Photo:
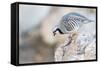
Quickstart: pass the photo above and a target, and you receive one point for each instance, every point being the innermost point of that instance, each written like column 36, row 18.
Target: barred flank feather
column 72, row 22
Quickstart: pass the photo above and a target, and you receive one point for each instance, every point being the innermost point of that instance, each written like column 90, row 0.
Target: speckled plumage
column 71, row 22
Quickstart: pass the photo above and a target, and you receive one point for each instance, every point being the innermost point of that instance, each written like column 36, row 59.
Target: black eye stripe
column 60, row 31
column 54, row 32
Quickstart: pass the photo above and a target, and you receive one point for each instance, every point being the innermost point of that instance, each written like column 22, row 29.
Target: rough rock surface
column 79, row 47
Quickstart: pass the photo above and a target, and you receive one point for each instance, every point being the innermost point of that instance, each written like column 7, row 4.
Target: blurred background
column 36, row 41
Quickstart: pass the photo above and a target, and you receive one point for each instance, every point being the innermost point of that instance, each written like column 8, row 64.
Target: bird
column 70, row 22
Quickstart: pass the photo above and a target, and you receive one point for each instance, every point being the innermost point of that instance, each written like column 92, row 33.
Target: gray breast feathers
column 72, row 22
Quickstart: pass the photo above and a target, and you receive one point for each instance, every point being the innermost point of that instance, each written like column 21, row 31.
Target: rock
column 81, row 47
